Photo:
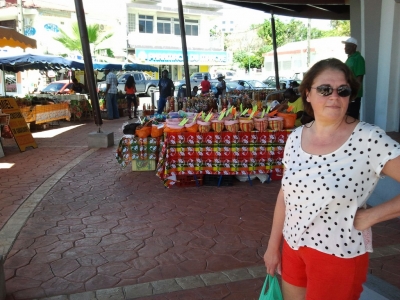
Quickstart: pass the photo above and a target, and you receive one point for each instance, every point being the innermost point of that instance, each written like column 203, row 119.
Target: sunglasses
column 326, row 90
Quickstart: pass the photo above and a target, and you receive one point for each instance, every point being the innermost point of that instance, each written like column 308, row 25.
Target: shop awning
column 110, row 66
column 313, row 9
column 18, row 63
column 11, row 38
column 140, row 67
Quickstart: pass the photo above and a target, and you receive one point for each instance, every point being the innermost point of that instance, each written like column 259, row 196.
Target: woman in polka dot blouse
column 332, row 165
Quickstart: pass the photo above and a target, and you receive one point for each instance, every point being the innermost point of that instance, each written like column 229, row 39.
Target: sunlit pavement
column 74, row 224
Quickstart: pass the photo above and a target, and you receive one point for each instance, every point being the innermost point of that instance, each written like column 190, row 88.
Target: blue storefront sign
column 51, row 27
column 176, row 56
column 29, row 31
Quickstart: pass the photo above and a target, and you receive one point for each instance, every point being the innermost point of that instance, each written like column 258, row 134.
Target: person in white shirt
column 111, row 95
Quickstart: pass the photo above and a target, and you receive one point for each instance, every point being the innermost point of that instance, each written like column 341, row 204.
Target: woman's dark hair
column 130, row 82
column 318, row 68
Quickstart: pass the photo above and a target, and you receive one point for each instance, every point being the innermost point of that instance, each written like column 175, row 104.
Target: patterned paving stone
column 96, row 230
column 64, row 266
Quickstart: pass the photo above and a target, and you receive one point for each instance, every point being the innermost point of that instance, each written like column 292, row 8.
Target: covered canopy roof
column 29, row 61
column 18, row 63
column 313, row 9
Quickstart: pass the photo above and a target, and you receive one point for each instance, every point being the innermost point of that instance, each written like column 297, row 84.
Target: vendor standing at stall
column 77, row 87
column 166, row 87
column 205, row 85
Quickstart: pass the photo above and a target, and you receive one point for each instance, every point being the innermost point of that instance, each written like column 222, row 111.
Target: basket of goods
column 192, row 126
column 261, row 124
column 157, row 129
column 261, row 121
column 143, row 131
column 217, row 125
column 205, row 123
column 232, row 125
column 230, row 121
column 275, row 123
column 204, row 126
column 246, row 124
column 289, row 119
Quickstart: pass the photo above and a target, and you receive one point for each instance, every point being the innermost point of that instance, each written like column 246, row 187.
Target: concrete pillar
column 387, row 106
column 100, row 139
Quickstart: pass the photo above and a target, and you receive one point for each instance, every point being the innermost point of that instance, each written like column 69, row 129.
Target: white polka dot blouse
column 323, row 192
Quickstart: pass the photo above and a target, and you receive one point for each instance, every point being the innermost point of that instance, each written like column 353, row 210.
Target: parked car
column 270, row 81
column 248, row 84
column 180, row 88
column 195, row 80
column 229, row 75
column 199, row 76
column 143, row 85
column 58, row 87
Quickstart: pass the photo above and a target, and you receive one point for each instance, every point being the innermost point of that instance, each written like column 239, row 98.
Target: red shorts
column 325, row 276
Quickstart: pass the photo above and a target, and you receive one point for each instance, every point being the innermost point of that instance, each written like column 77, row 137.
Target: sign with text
column 176, row 56
column 19, row 128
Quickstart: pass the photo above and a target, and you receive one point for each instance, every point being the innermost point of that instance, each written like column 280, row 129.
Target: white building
column 144, row 31
column 154, row 35
column 292, row 57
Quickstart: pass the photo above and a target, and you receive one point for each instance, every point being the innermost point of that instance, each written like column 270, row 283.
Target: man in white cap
column 356, row 63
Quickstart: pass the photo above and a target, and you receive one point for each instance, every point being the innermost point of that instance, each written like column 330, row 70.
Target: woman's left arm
column 365, row 218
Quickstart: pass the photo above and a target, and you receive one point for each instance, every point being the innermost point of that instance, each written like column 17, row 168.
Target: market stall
column 142, row 152
column 224, row 153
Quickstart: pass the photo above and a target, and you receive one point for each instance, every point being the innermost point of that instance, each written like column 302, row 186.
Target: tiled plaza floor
column 99, row 228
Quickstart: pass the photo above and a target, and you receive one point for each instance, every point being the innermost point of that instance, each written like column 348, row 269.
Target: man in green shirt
column 356, row 63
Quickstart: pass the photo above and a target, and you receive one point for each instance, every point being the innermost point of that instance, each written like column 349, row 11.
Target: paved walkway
column 76, row 226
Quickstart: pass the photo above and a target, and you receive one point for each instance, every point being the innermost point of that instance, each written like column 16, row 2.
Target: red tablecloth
column 132, row 147
column 224, row 153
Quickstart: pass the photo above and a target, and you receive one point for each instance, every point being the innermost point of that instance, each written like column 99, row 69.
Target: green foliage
column 244, row 59
column 294, row 31
column 73, row 42
column 340, row 28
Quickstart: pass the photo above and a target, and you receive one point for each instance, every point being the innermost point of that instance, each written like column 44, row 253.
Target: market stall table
column 132, row 149
column 225, row 153
column 46, row 113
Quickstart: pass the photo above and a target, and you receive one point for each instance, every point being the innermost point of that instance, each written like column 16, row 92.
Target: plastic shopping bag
column 271, row 289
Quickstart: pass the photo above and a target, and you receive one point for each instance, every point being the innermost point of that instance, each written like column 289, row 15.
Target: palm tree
column 73, row 42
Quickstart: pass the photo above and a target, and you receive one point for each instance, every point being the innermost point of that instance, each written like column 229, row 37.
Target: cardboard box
column 143, row 165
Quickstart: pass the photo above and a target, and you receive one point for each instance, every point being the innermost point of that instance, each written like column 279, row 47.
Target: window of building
column 131, row 22
column 231, row 22
column 177, row 29
column 223, row 22
column 145, row 24
column 287, row 65
column 9, row 23
column 163, row 25
column 192, row 27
